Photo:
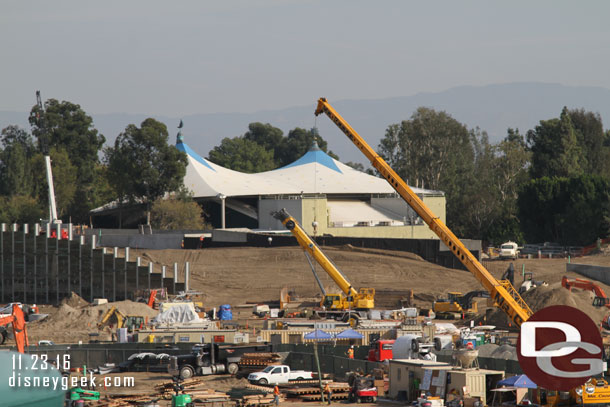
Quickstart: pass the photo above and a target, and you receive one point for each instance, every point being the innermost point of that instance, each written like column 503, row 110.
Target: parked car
column 278, row 374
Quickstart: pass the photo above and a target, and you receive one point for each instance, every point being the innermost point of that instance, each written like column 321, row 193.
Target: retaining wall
column 36, row 268
column 598, row 273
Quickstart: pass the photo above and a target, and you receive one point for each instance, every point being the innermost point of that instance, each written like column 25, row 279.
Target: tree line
column 549, row 184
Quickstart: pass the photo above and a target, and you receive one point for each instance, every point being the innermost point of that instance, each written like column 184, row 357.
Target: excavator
column 501, row 292
column 17, row 319
column 600, row 300
column 131, row 322
column 349, row 307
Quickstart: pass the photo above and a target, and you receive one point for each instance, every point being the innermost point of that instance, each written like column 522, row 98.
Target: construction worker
column 350, row 352
column 276, row 395
column 328, row 391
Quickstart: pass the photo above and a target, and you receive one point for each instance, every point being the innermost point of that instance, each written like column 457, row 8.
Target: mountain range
column 492, row 108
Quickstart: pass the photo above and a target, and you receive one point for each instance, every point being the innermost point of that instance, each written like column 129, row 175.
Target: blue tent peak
column 319, row 335
column 315, row 155
column 182, row 146
column 521, row 381
column 349, row 334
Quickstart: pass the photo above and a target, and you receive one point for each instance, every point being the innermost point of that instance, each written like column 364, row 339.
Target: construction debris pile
column 75, row 319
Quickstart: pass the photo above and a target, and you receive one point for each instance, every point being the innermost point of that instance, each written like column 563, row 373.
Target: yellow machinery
column 337, row 305
column 458, row 305
column 131, row 322
column 502, row 292
column 595, row 392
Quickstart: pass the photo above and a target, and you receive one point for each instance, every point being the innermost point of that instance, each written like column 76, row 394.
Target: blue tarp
column 318, row 335
column 521, row 381
column 225, row 313
column 349, row 334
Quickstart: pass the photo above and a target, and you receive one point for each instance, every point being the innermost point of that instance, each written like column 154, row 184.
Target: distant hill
column 493, row 108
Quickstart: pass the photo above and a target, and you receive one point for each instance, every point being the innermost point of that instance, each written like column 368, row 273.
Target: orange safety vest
column 276, row 391
column 350, row 353
column 327, row 388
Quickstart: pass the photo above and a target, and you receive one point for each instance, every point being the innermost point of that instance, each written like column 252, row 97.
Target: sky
column 195, row 56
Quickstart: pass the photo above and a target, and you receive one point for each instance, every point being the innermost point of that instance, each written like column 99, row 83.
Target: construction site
column 292, row 320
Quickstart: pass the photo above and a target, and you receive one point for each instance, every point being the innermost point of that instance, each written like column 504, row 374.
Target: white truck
column 278, row 374
column 509, row 250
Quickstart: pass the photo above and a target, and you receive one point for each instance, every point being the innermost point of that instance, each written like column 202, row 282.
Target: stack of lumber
column 340, row 391
column 192, row 387
column 119, row 401
column 207, row 396
column 253, row 396
column 259, row 360
column 166, row 389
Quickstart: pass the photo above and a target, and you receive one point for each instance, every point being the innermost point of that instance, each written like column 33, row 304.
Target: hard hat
column 352, row 346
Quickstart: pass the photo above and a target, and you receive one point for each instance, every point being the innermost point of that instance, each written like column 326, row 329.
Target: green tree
column 555, row 148
column 263, row 148
column 571, row 211
column 20, row 209
column 179, row 211
column 590, row 135
column 266, row 136
column 434, row 151
column 478, row 194
column 142, row 166
column 242, row 155
column 390, row 147
column 509, row 173
column 297, row 143
column 16, row 177
column 65, row 125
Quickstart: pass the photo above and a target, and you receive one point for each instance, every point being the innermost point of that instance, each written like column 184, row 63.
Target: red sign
column 560, row 348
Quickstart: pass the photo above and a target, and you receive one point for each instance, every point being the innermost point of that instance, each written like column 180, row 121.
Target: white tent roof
column 314, row 173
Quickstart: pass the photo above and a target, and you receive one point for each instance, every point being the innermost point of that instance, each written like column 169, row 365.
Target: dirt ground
column 247, row 275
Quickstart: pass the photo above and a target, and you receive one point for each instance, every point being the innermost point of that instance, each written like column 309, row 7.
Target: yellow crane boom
column 314, row 251
column 362, row 299
column 502, row 292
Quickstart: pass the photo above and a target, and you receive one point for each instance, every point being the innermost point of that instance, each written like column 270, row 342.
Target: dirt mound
column 70, row 323
column 74, row 300
column 553, row 294
column 499, row 352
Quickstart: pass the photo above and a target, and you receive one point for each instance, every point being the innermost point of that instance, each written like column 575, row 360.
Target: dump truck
column 211, row 358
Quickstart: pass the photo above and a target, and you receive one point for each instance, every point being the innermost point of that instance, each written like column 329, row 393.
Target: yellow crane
column 502, row 292
column 350, row 307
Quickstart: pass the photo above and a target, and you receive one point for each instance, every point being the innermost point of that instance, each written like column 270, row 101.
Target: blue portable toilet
column 225, row 313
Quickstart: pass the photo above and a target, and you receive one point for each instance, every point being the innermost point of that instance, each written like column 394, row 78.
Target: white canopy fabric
column 343, row 213
column 314, row 173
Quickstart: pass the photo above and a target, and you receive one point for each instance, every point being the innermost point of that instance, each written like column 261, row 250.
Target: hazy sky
column 193, row 56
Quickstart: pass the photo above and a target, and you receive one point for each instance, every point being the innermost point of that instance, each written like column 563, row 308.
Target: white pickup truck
column 278, row 374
